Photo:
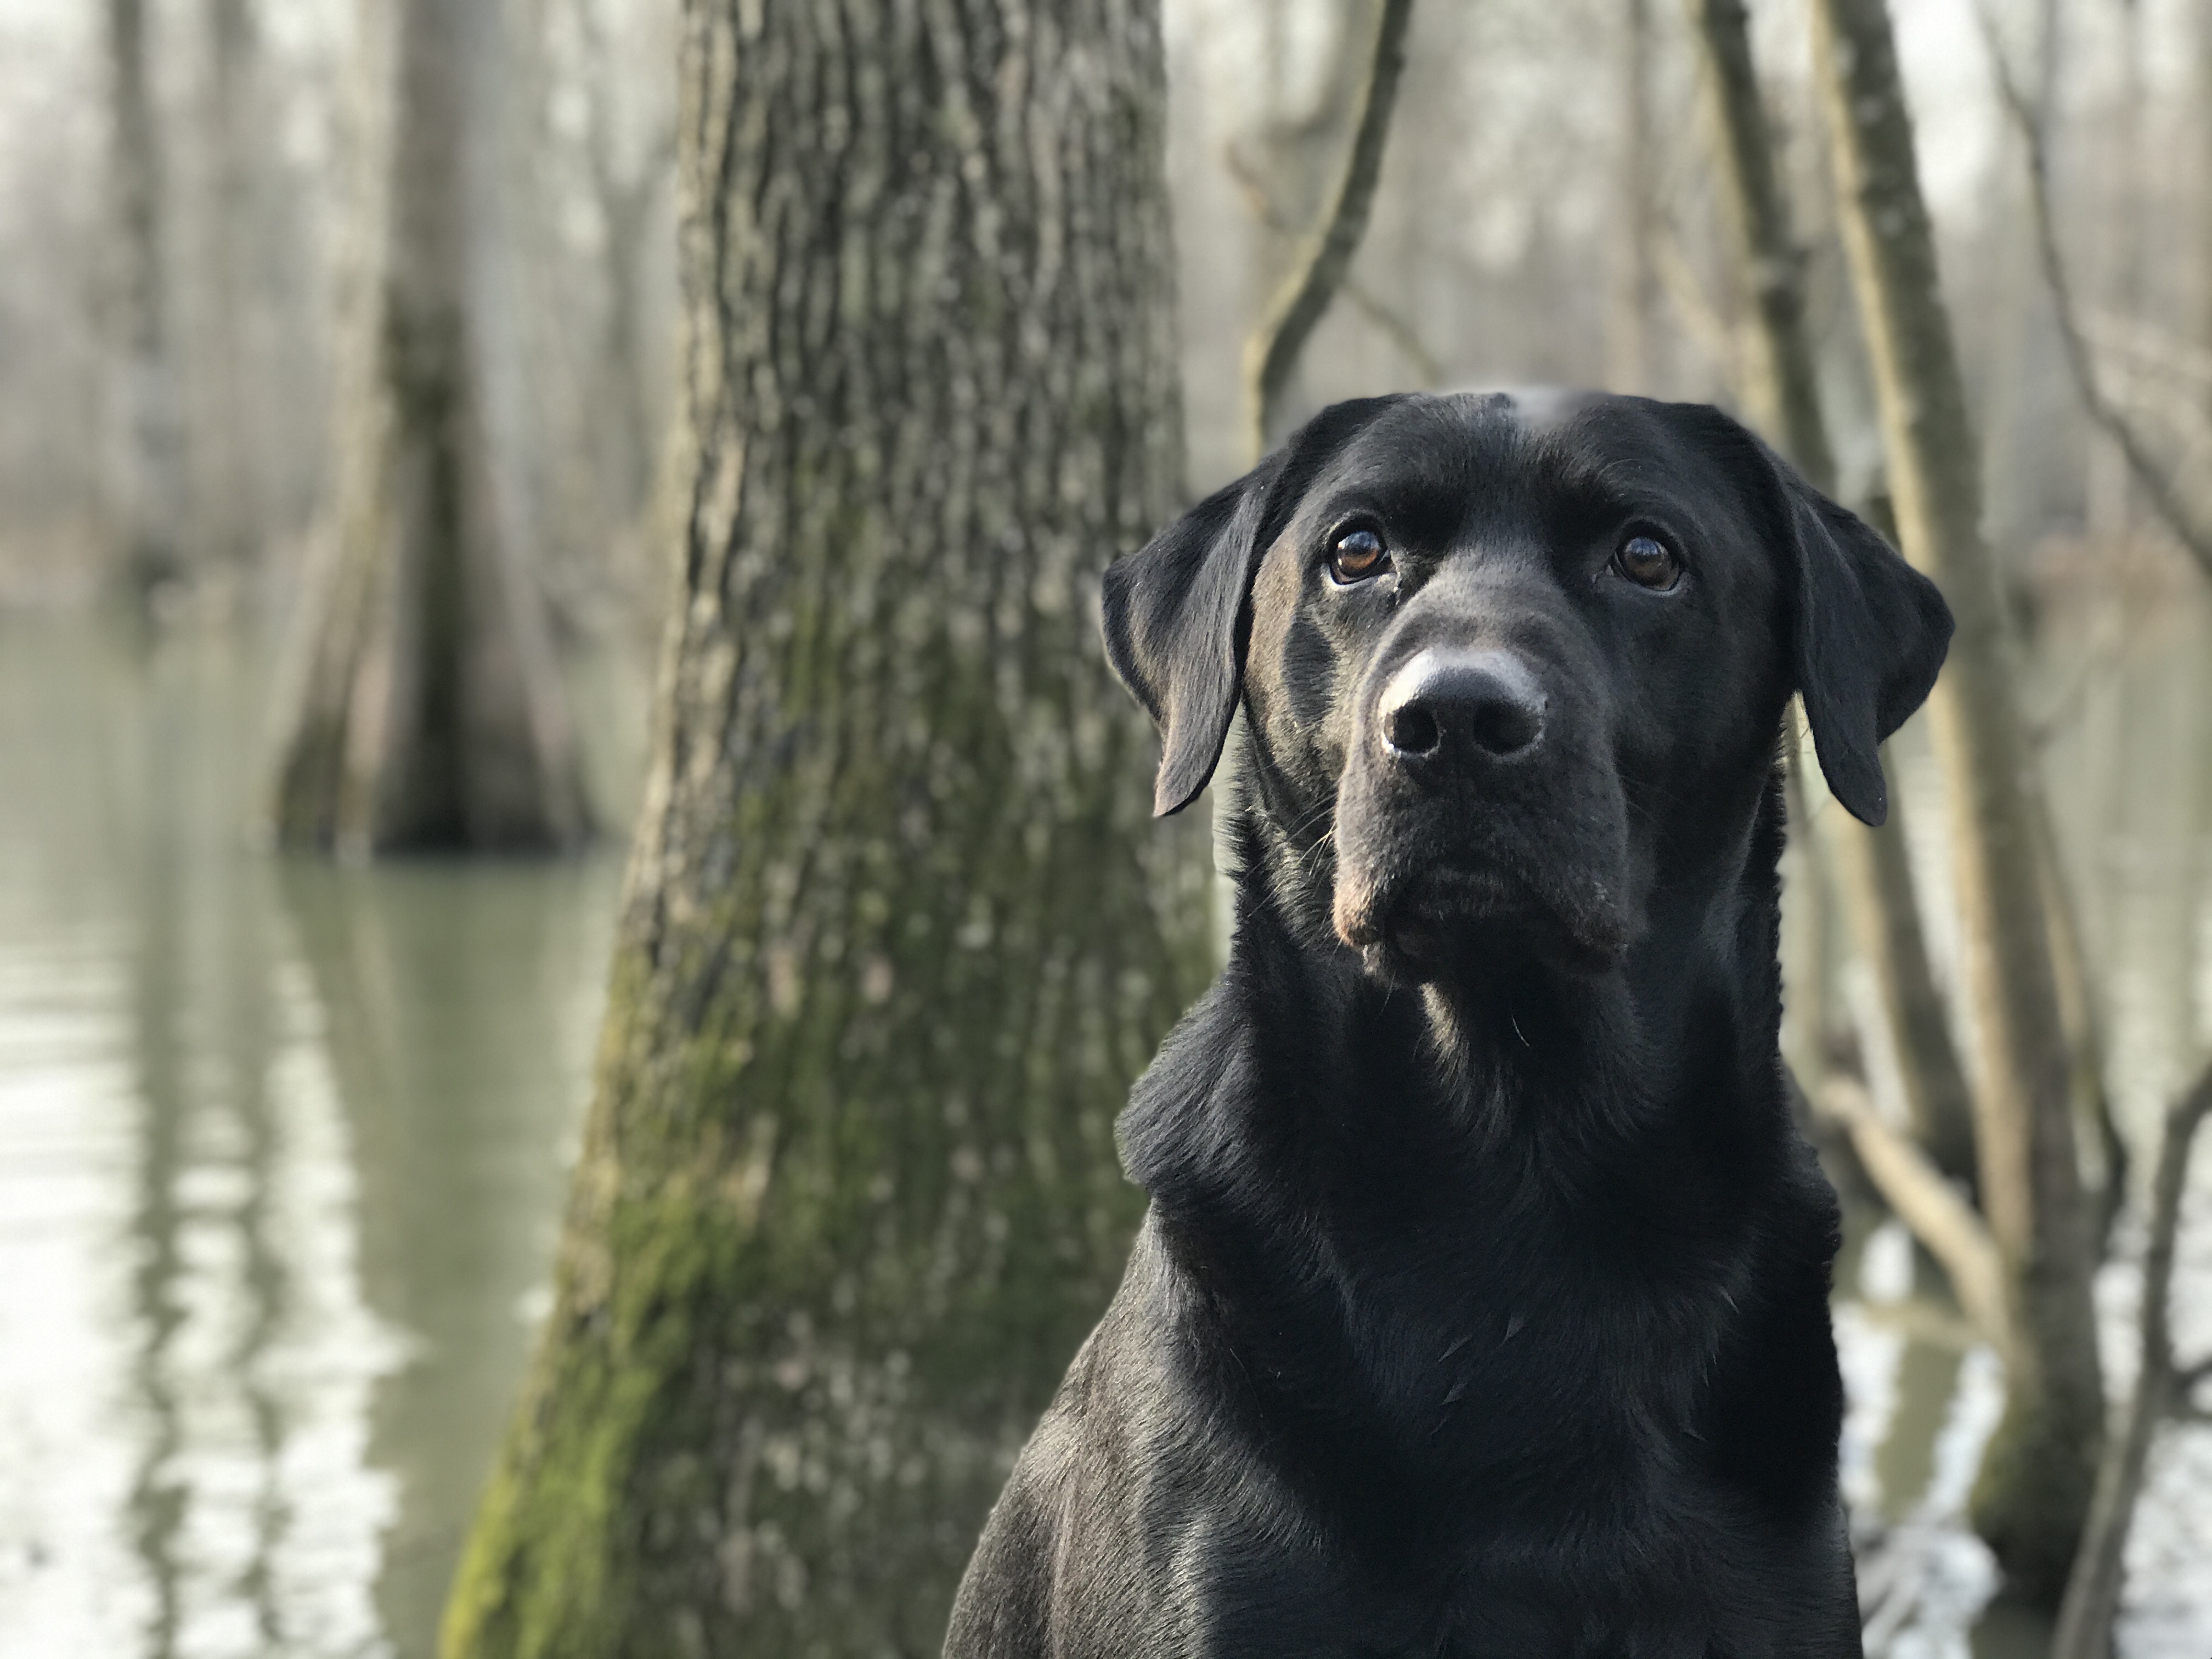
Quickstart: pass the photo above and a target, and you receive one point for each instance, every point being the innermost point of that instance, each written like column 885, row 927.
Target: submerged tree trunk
column 2036, row 1477
column 235, row 120
column 148, row 461
column 1871, row 868
column 430, row 714
column 897, row 933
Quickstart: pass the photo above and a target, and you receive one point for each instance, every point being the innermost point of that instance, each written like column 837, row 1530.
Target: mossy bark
column 2034, row 1490
column 426, row 710
column 898, row 935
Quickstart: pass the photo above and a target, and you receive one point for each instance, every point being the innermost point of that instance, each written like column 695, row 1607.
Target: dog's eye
column 1648, row 562
column 1357, row 555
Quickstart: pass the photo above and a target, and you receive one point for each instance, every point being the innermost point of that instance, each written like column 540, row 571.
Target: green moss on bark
column 898, row 932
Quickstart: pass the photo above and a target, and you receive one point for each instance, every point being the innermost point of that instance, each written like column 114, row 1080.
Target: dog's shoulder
column 1134, row 1513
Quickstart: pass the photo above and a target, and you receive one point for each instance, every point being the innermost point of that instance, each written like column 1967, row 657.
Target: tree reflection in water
column 279, row 1154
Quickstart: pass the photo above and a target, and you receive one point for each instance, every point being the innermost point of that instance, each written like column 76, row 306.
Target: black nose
column 1445, row 701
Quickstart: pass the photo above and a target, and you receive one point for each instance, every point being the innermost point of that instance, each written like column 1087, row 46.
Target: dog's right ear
column 1178, row 610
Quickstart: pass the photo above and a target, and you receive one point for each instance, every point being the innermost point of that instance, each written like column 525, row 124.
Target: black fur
column 1481, row 1308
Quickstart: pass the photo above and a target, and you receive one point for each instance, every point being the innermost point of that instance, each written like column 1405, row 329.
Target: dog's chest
column 1647, row 1578
column 1477, row 1333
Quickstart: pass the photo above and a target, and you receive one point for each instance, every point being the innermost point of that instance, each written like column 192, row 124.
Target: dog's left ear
column 1868, row 635
column 1177, row 612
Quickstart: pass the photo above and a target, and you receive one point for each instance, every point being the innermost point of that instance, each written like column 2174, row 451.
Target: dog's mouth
column 1411, row 926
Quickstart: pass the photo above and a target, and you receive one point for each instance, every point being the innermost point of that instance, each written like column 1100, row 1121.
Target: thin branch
column 1701, row 319
column 1779, row 372
column 1942, row 1220
column 2189, row 527
column 1272, row 351
column 2093, row 1589
column 1396, row 329
column 1393, row 324
column 2150, row 348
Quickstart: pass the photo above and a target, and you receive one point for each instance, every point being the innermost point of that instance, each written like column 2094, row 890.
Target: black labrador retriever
column 1481, row 1308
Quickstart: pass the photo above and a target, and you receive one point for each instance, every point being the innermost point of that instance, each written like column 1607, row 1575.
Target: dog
column 1481, row 1305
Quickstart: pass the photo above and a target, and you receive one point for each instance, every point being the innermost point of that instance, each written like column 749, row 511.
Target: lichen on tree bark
column 897, row 935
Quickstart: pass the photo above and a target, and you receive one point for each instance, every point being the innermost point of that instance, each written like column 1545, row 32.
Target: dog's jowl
column 1481, row 1307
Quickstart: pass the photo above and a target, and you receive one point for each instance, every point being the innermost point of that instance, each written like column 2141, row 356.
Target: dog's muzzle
column 1468, row 803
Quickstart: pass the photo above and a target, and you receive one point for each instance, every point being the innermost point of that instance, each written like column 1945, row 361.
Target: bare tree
column 626, row 189
column 429, row 712
column 1632, row 277
column 149, row 453
column 2033, row 1490
column 897, row 937
column 2190, row 524
column 1870, row 867
column 232, row 118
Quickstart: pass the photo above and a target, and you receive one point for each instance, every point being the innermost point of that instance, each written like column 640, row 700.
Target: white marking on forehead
column 1538, row 409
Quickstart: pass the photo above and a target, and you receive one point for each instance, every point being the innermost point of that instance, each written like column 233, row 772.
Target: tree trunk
column 235, row 122
column 626, row 196
column 1871, row 868
column 235, row 118
column 149, row 463
column 431, row 714
column 897, row 933
column 2034, row 1490
column 1781, row 388
column 1628, row 314
column 2203, row 102
column 1874, row 872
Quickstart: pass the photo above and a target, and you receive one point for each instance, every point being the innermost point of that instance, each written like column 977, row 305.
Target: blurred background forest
column 284, row 1139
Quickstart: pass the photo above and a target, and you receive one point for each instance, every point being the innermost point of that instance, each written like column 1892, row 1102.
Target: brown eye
column 1357, row 555
column 1646, row 560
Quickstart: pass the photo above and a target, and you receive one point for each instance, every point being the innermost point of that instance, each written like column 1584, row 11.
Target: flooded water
column 282, row 1154
column 281, row 1157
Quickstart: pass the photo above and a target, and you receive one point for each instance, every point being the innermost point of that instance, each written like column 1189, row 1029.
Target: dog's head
column 1514, row 662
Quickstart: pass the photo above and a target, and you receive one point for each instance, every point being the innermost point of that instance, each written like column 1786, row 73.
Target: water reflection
column 280, row 1157
column 459, row 1026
